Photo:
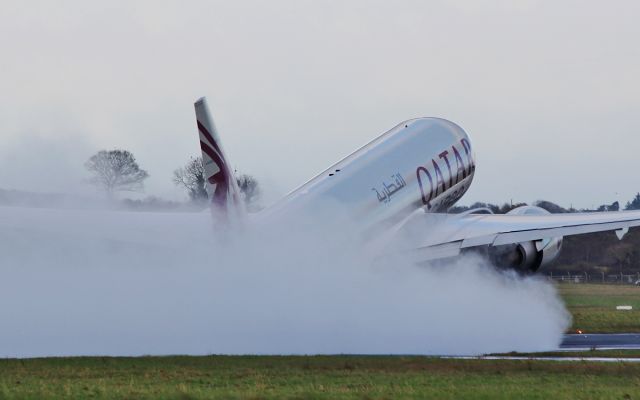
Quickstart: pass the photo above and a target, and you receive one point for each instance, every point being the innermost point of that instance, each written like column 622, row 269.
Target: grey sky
column 548, row 90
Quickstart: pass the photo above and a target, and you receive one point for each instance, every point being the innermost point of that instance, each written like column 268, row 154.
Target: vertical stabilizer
column 221, row 182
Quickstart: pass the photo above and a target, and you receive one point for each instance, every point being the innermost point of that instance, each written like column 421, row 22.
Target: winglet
column 221, row 182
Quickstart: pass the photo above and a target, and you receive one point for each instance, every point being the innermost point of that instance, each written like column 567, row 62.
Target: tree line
column 547, row 205
column 118, row 171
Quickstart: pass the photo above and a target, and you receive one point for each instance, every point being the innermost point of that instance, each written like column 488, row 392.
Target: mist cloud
column 115, row 283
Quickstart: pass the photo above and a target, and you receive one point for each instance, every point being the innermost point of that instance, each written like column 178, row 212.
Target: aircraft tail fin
column 221, row 181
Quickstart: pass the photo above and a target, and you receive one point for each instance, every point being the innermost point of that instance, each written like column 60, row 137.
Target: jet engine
column 526, row 257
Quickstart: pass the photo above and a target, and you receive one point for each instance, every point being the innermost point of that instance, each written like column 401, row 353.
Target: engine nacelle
column 526, row 257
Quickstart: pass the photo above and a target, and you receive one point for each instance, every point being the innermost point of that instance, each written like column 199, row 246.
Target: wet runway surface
column 563, row 359
column 601, row 341
column 581, row 342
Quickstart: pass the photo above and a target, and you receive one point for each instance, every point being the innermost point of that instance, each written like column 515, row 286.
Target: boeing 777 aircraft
column 405, row 180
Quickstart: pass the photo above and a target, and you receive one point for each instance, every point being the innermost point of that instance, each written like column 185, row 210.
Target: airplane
column 405, row 180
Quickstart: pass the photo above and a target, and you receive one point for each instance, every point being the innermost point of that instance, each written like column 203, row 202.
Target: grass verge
column 337, row 377
column 593, row 307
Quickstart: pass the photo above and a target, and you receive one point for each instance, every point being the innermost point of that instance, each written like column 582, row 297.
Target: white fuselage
column 424, row 163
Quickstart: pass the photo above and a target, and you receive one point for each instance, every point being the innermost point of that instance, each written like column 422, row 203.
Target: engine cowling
column 526, row 257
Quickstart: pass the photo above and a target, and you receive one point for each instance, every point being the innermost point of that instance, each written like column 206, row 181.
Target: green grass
column 339, row 377
column 593, row 307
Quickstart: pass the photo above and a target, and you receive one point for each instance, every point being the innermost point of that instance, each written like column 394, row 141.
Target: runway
column 544, row 358
column 601, row 341
column 579, row 342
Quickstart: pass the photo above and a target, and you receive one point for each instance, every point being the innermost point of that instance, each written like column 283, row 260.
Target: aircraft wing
column 432, row 236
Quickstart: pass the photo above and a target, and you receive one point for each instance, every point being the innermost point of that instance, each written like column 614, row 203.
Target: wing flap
column 444, row 250
column 479, row 241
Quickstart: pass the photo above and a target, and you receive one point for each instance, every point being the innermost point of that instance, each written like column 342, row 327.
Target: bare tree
column 250, row 189
column 116, row 170
column 192, row 178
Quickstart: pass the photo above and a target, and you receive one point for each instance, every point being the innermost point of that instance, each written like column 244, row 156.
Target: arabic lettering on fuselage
column 431, row 180
column 388, row 190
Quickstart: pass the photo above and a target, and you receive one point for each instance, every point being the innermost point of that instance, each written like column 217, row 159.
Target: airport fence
column 621, row 279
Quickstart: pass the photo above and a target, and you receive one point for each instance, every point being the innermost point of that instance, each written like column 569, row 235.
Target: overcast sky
column 548, row 90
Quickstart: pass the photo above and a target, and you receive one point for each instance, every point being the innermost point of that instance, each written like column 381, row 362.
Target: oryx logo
column 220, row 180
